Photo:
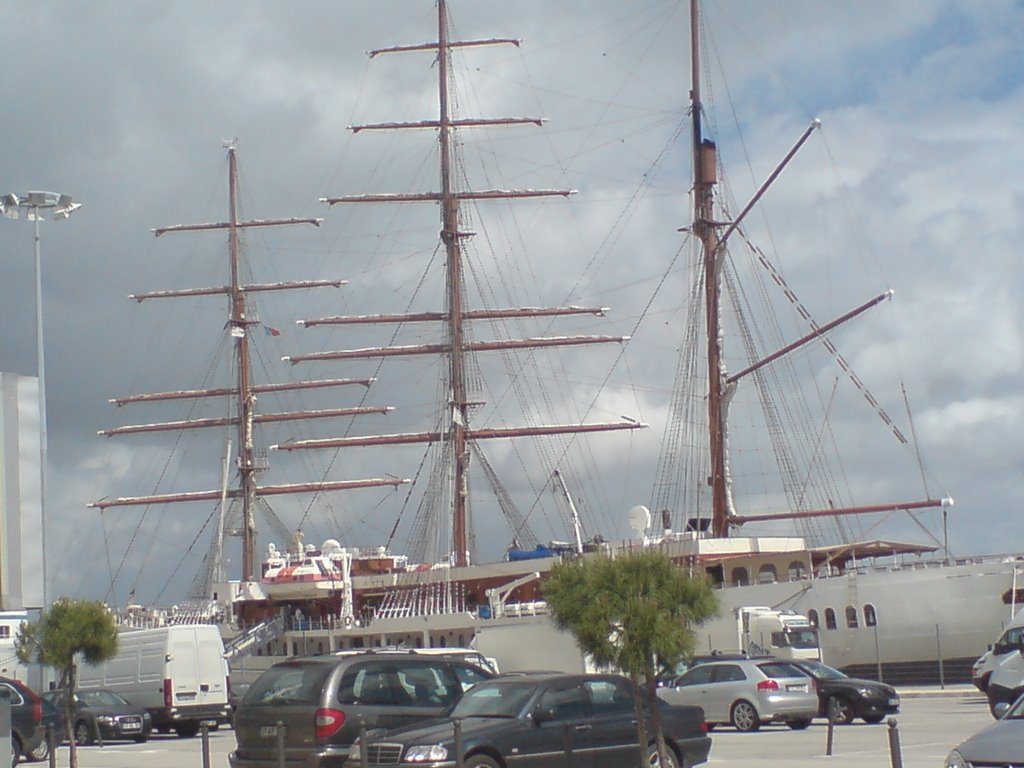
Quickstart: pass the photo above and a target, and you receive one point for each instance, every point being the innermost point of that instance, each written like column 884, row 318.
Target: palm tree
column 634, row 612
column 68, row 629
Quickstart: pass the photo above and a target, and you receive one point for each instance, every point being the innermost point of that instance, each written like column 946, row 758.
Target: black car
column 320, row 701
column 28, row 728
column 549, row 720
column 845, row 698
column 102, row 715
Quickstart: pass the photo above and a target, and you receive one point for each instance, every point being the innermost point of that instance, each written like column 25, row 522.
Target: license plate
column 800, row 688
column 894, row 702
column 268, row 731
column 131, row 727
column 209, row 723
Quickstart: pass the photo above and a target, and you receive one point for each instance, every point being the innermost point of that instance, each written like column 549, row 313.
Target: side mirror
column 1000, row 709
column 543, row 714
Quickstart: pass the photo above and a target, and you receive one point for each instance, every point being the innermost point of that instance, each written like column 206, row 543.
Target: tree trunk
column 641, row 719
column 69, row 713
column 659, row 733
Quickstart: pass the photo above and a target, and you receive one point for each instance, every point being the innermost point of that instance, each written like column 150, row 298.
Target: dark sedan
column 549, row 720
column 100, row 714
column 842, row 698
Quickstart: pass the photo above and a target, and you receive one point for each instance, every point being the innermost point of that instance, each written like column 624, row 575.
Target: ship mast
column 704, row 179
column 459, row 431
column 720, row 384
column 239, row 325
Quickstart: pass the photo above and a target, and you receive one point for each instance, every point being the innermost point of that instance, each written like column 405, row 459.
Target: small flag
column 271, row 331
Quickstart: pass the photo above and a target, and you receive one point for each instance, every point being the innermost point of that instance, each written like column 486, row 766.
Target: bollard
column 567, row 745
column 457, row 727
column 99, row 733
column 280, row 744
column 895, row 754
column 828, row 738
column 364, row 757
column 204, row 731
column 51, row 741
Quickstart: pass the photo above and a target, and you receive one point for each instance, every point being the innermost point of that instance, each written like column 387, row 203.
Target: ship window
column 851, row 617
column 796, row 570
column 767, row 574
column 830, row 619
column 870, row 618
column 739, row 577
column 812, row 616
column 5, row 631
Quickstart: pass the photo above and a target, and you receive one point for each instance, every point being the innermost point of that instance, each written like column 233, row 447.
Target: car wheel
column 745, row 717
column 481, row 761
column 83, row 734
column 798, row 725
column 873, row 719
column 39, row 753
column 672, row 760
column 840, row 711
column 187, row 729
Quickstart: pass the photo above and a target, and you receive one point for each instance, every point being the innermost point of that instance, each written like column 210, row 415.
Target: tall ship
column 882, row 607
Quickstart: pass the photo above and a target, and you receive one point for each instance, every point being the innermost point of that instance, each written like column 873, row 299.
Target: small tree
column 633, row 612
column 70, row 627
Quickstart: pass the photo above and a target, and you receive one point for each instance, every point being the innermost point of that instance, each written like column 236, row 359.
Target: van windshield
column 289, row 684
column 1008, row 641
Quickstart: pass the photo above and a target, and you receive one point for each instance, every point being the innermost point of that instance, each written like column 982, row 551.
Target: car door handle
column 583, row 727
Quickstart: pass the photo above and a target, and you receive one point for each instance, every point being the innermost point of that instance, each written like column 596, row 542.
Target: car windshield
column 824, row 671
column 505, row 699
column 289, row 684
column 100, row 699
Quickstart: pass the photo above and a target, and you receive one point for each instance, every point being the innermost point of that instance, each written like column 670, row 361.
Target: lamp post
column 36, row 205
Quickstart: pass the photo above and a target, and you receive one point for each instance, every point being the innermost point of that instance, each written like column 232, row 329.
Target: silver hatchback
column 746, row 693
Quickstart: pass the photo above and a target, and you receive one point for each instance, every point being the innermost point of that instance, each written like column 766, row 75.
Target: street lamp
column 36, row 205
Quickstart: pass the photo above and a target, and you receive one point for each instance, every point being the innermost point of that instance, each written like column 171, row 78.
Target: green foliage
column 68, row 628
column 630, row 610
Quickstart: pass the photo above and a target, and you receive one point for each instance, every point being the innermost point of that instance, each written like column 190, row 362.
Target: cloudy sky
column 913, row 183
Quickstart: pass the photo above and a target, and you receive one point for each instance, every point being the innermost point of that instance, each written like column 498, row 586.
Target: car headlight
column 955, row 760
column 426, row 753
column 105, row 719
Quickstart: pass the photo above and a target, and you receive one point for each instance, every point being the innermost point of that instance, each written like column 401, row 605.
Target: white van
column 1008, row 642
column 178, row 673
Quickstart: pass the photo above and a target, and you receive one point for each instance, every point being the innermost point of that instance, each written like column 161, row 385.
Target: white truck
column 762, row 631
column 178, row 673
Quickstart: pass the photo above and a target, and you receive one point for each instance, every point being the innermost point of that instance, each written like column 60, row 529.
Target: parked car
column 53, row 720
column 526, row 720
column 1000, row 744
column 100, row 714
column 28, row 729
column 842, row 698
column 320, row 699
column 747, row 692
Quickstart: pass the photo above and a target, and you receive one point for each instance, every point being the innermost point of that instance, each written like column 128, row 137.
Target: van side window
column 429, row 685
column 373, row 684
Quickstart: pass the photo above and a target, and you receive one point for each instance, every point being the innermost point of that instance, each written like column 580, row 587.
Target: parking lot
column 929, row 726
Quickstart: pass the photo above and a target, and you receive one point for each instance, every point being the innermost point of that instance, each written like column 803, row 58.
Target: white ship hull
column 924, row 612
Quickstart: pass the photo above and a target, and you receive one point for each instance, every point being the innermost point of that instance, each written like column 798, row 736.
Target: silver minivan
column 746, row 693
